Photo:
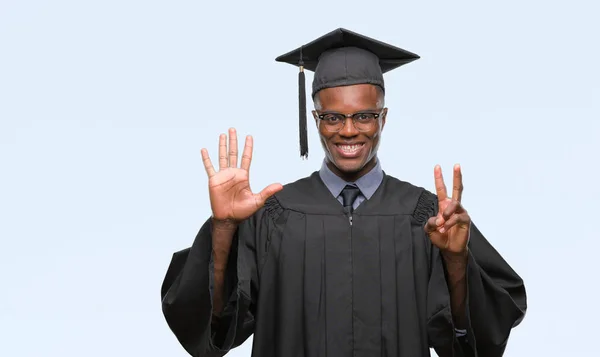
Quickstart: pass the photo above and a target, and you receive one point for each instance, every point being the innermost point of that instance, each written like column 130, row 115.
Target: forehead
column 349, row 98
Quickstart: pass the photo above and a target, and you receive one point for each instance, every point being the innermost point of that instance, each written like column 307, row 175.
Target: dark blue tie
column 349, row 195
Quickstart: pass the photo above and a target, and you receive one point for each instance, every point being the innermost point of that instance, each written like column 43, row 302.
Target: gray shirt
column 367, row 184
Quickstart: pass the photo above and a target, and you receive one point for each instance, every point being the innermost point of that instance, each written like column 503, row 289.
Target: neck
column 353, row 175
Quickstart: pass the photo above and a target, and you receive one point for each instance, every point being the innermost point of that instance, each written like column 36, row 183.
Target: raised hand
column 449, row 230
column 231, row 198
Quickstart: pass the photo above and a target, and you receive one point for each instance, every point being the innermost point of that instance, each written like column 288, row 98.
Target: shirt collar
column 367, row 184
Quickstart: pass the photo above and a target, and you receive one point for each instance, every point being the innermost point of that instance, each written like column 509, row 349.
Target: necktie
column 349, row 195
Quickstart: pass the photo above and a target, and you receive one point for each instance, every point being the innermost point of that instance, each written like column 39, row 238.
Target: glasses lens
column 364, row 121
column 334, row 122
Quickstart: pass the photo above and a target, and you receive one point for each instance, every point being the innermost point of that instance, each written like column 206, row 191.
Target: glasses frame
column 352, row 116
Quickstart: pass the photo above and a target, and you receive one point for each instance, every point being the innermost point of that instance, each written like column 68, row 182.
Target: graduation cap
column 342, row 58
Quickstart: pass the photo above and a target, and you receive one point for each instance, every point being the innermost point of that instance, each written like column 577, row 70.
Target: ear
column 383, row 117
column 316, row 117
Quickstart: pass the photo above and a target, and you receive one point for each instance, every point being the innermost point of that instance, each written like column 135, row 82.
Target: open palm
column 231, row 197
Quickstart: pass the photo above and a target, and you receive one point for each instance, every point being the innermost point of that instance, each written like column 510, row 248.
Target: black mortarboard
column 342, row 58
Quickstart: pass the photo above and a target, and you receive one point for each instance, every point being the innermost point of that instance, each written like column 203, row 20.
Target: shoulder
column 408, row 189
column 416, row 200
column 307, row 195
column 300, row 186
column 291, row 194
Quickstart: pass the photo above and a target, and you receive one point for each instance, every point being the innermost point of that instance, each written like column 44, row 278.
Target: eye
column 332, row 118
column 365, row 116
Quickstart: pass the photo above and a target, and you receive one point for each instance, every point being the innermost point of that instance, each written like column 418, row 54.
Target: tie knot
column 349, row 195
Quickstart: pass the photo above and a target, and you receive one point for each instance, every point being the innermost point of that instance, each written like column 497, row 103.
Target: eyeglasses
column 363, row 121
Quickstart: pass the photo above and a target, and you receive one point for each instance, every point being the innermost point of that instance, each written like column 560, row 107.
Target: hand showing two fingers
column 449, row 229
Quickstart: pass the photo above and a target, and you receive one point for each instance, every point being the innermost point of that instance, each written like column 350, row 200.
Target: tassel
column 302, row 112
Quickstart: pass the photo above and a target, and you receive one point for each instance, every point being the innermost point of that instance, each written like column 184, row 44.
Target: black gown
column 307, row 283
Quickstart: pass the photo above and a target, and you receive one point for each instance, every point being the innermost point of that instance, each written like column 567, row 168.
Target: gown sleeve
column 187, row 291
column 496, row 297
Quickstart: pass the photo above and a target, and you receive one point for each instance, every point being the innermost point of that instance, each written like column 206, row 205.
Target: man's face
column 351, row 149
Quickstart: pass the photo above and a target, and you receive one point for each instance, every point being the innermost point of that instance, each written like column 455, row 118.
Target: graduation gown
column 307, row 283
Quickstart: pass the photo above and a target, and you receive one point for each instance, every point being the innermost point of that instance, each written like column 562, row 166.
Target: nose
column 348, row 130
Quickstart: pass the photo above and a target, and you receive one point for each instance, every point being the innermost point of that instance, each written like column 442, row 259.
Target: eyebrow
column 360, row 111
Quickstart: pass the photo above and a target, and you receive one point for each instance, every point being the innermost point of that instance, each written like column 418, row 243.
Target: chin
column 349, row 166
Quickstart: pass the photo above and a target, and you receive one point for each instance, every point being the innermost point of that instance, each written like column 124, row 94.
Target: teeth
column 350, row 148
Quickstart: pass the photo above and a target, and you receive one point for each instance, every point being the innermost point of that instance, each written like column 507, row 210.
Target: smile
column 350, row 149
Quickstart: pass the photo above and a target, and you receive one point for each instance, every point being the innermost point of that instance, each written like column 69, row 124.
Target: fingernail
column 442, row 229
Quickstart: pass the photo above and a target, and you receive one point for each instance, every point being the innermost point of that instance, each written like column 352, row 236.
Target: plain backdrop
column 105, row 105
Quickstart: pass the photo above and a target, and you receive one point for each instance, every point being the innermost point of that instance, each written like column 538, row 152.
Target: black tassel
column 302, row 113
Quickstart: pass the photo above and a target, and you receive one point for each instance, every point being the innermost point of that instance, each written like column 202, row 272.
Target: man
column 348, row 261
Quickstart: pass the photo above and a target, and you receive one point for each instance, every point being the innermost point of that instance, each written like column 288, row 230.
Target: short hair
column 380, row 99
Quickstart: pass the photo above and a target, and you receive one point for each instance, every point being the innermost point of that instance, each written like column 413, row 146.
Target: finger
column 461, row 220
column 223, row 163
column 431, row 225
column 210, row 170
column 233, row 148
column 457, row 184
column 247, row 154
column 440, row 187
column 452, row 208
column 267, row 192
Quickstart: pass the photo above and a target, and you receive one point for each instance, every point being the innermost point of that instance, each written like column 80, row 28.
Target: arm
column 209, row 291
column 481, row 295
column 471, row 287
column 199, row 279
column 487, row 300
column 456, row 272
column 222, row 237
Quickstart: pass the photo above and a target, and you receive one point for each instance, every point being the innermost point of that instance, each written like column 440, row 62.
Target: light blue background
column 105, row 105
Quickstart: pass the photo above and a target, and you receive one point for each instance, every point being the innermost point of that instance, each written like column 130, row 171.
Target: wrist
column 224, row 225
column 456, row 257
column 456, row 263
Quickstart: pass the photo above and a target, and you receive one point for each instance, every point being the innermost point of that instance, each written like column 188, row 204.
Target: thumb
column 431, row 229
column 431, row 225
column 267, row 192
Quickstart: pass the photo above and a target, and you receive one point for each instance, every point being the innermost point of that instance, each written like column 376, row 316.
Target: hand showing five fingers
column 449, row 230
column 231, row 198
